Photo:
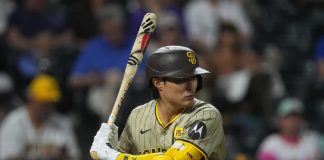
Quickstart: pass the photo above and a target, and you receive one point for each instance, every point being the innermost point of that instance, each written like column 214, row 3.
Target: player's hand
column 112, row 134
column 113, row 137
column 104, row 140
column 108, row 133
column 103, row 150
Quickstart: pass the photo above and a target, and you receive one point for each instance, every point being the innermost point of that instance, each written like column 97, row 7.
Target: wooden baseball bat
column 147, row 27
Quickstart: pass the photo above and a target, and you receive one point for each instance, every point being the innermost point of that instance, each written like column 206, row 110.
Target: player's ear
column 157, row 83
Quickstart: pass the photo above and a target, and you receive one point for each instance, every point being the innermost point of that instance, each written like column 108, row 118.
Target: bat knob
column 94, row 155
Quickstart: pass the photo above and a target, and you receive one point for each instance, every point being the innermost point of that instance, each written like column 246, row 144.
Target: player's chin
column 189, row 97
column 189, row 100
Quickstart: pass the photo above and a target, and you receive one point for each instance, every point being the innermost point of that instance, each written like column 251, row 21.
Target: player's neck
column 167, row 112
column 36, row 122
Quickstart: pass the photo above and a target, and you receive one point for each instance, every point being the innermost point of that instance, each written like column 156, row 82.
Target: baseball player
column 174, row 125
column 36, row 130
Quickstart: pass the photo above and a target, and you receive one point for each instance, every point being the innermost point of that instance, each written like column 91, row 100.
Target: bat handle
column 111, row 119
column 94, row 155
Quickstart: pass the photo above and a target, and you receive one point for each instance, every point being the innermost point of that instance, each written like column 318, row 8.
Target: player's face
column 179, row 92
column 41, row 110
column 291, row 124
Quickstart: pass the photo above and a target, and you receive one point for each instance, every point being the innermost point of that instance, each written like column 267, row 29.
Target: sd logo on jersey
column 197, row 130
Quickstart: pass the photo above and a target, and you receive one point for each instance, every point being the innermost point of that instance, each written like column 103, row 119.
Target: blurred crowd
column 61, row 63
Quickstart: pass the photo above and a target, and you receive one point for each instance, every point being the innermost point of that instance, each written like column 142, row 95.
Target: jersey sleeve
column 205, row 130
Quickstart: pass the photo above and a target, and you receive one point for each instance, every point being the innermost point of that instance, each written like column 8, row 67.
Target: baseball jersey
column 277, row 147
column 200, row 125
column 19, row 137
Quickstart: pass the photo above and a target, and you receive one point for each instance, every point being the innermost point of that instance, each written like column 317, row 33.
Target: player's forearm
column 180, row 150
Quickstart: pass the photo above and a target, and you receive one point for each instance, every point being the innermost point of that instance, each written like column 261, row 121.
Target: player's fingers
column 114, row 128
column 103, row 128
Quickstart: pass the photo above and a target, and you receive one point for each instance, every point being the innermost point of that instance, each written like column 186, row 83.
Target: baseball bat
column 147, row 27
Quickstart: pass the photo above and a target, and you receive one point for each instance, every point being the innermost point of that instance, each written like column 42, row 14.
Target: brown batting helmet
column 173, row 62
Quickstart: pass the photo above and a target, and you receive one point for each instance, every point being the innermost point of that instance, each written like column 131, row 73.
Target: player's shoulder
column 202, row 107
column 273, row 140
column 17, row 115
column 310, row 136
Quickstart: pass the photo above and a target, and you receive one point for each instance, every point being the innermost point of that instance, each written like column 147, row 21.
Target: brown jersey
column 200, row 125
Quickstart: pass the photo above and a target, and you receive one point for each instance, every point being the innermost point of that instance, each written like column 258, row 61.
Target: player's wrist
column 113, row 155
column 105, row 153
column 105, row 142
column 120, row 156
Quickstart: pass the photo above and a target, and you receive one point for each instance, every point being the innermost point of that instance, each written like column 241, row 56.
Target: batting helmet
column 173, row 62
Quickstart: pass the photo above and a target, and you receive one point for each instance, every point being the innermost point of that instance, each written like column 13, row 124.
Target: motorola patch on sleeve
column 197, row 130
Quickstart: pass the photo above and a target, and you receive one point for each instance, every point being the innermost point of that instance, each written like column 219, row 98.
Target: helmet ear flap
column 199, row 83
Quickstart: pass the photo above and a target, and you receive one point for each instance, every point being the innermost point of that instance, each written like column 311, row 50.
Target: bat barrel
column 147, row 27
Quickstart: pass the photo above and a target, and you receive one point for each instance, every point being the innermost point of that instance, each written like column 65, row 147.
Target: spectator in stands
column 204, row 17
column 86, row 27
column 315, row 89
column 163, row 8
column 225, row 63
column 36, row 131
column 168, row 32
column 6, row 6
column 242, row 88
column 34, row 20
column 319, row 58
column 34, row 27
column 8, row 100
column 101, row 63
column 293, row 140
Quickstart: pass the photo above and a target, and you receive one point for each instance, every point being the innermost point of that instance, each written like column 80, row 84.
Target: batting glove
column 105, row 141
